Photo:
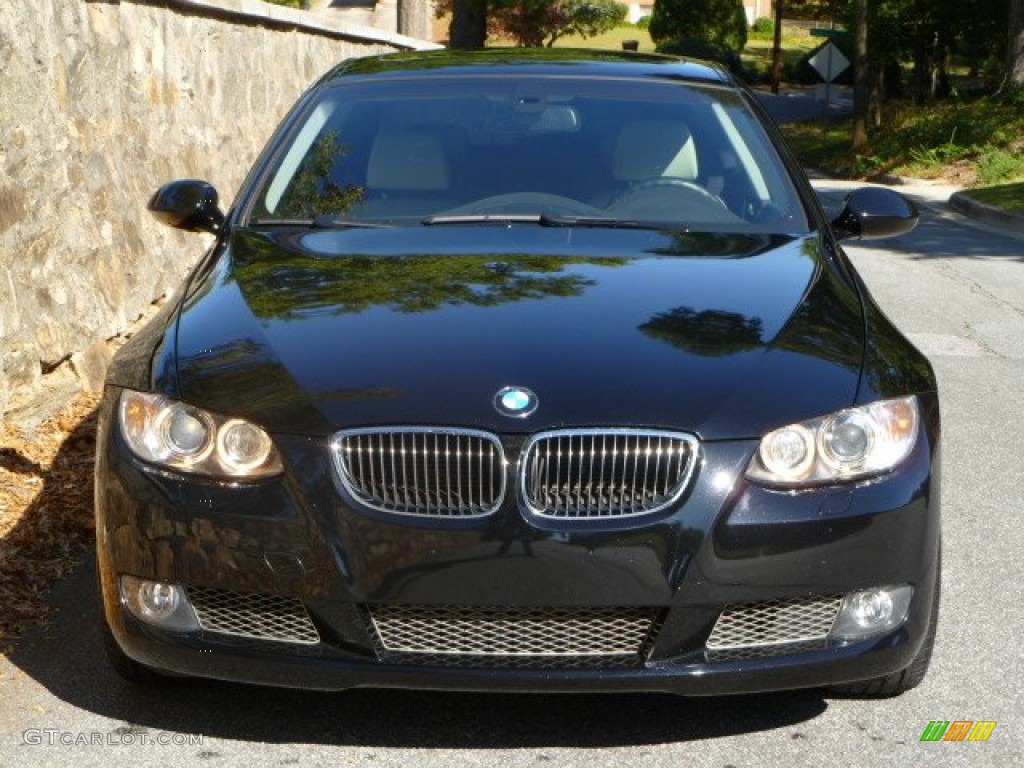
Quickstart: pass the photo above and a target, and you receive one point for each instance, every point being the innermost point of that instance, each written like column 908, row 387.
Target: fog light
column 872, row 611
column 154, row 602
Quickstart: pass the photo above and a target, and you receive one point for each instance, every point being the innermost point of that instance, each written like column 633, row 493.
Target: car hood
column 725, row 335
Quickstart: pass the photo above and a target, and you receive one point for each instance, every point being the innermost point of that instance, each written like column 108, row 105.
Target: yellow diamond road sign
column 829, row 62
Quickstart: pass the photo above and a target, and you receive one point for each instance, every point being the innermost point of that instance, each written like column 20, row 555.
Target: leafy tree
column 831, row 10
column 710, row 332
column 533, row 23
column 294, row 285
column 313, row 192
column 718, row 21
column 928, row 33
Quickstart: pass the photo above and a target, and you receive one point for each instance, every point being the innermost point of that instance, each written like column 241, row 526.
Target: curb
column 891, row 180
column 963, row 203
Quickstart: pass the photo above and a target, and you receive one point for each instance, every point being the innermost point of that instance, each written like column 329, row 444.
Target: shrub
column 722, row 22
column 764, row 27
column 697, row 48
column 998, row 165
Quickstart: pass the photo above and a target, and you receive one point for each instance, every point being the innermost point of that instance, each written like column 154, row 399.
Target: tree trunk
column 1015, row 48
column 861, row 82
column 780, row 7
column 923, row 37
column 468, row 28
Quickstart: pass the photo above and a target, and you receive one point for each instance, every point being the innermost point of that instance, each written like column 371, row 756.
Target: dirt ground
column 46, row 509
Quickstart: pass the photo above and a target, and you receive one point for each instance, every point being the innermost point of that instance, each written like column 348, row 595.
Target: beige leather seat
column 652, row 149
column 407, row 174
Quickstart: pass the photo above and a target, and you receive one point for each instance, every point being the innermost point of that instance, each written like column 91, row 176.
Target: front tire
column 125, row 666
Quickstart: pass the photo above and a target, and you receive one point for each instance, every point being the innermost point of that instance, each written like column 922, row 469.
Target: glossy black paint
column 871, row 213
column 726, row 542
column 725, row 336
column 321, row 340
column 188, row 204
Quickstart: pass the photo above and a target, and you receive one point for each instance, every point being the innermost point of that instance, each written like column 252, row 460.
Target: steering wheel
column 671, row 182
column 671, row 199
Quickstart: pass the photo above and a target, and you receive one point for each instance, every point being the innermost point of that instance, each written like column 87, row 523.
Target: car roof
column 519, row 61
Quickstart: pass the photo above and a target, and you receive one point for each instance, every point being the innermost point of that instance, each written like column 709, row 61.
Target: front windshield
column 555, row 150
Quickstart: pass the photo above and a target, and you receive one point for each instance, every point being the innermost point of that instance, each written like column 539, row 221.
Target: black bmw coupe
column 523, row 370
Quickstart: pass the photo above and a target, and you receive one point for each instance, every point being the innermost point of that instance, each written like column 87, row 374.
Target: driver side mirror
column 875, row 212
column 188, row 204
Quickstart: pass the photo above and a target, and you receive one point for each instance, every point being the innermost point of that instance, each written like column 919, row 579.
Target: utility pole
column 777, row 46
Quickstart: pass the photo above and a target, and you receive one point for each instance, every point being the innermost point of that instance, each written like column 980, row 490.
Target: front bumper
column 324, row 670
column 726, row 543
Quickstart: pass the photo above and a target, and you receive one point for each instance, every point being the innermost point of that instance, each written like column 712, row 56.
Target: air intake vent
column 772, row 623
column 421, row 470
column 582, row 474
column 515, row 637
column 263, row 617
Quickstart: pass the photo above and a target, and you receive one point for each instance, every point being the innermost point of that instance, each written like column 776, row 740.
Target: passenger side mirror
column 875, row 212
column 188, row 204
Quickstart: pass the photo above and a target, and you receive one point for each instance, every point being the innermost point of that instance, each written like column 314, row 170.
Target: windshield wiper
column 323, row 221
column 602, row 222
column 482, row 218
column 547, row 220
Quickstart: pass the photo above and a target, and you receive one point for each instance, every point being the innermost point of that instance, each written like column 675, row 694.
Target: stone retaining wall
column 100, row 103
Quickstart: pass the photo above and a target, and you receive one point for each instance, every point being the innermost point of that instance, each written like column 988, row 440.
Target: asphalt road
column 808, row 103
column 958, row 291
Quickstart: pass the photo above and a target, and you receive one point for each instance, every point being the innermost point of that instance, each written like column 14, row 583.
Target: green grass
column 828, row 149
column 611, row 40
column 972, row 142
column 757, row 55
column 1009, row 197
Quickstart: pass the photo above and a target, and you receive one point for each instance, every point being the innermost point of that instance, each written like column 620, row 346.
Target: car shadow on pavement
column 67, row 658
column 941, row 234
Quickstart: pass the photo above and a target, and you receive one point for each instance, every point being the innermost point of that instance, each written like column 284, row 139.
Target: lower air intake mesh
column 263, row 617
column 519, row 637
column 774, row 622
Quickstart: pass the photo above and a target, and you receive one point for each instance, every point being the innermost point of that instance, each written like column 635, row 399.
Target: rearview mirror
column 188, row 204
column 875, row 212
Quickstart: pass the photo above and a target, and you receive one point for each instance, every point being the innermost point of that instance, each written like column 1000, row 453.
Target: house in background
column 755, row 9
column 638, row 9
column 414, row 18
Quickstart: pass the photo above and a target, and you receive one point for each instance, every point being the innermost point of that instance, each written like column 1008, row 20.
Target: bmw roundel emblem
column 518, row 402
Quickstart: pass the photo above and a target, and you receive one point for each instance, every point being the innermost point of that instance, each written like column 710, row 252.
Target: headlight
column 847, row 445
column 178, row 436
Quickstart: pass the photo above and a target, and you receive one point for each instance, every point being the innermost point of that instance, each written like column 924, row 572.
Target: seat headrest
column 407, row 161
column 651, row 149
